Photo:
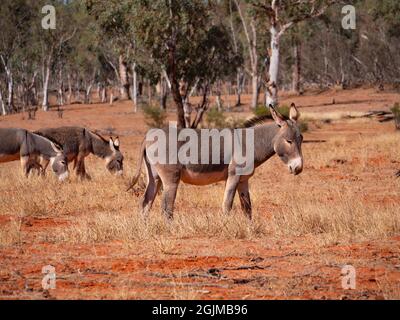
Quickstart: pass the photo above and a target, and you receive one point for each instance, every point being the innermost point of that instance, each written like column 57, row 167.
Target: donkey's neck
column 40, row 145
column 264, row 138
column 100, row 147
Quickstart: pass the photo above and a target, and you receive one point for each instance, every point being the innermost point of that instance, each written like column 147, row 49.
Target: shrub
column 262, row 110
column 284, row 110
column 396, row 112
column 154, row 116
column 215, row 118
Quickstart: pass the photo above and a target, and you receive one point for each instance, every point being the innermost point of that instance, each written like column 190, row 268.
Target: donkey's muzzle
column 295, row 166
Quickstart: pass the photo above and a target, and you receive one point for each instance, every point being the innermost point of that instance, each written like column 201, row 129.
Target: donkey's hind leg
column 168, row 199
column 151, row 191
column 81, row 169
column 244, row 196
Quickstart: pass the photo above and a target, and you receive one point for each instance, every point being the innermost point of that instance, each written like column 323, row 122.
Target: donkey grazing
column 79, row 142
column 282, row 137
column 20, row 144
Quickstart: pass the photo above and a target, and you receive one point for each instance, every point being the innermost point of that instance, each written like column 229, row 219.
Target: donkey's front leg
column 229, row 195
column 244, row 196
column 25, row 165
column 44, row 164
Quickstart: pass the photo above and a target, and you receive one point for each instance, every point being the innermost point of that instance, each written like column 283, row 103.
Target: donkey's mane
column 259, row 120
column 48, row 138
column 99, row 136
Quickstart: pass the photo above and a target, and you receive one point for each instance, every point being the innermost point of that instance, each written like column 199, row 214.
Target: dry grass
column 10, row 233
column 101, row 210
column 104, row 227
column 349, row 220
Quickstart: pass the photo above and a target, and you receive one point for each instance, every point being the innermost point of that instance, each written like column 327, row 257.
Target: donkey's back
column 72, row 139
column 11, row 141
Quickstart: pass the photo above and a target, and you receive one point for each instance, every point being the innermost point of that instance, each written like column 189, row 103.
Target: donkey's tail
column 136, row 177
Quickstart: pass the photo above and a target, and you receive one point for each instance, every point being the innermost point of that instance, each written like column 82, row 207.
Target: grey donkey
column 281, row 137
column 20, row 144
column 78, row 143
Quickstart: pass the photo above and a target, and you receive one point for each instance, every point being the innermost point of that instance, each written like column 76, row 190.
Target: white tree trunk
column 134, row 88
column 123, row 73
column 255, row 90
column 272, row 90
column 61, row 88
column 88, row 93
column 10, row 101
column 104, row 93
column 45, row 102
column 2, row 105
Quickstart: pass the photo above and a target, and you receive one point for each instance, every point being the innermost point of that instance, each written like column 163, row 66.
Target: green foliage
column 303, row 126
column 215, row 118
column 284, row 110
column 262, row 111
column 396, row 112
column 396, row 109
column 155, row 117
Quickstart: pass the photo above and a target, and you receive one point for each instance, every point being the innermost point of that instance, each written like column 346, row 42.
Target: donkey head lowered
column 287, row 143
column 115, row 162
column 59, row 163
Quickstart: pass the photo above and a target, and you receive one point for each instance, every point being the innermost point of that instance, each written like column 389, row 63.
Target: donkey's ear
column 294, row 114
column 278, row 118
column 117, row 142
column 112, row 145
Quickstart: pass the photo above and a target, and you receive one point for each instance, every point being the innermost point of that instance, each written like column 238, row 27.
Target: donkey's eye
column 289, row 141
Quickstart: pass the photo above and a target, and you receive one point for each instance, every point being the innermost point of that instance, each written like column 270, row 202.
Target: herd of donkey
column 61, row 146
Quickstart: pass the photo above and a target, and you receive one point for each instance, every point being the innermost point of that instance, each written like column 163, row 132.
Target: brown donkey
column 282, row 137
column 20, row 144
column 79, row 142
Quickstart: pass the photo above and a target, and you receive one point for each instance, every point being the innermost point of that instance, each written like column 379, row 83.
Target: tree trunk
column 272, row 90
column 239, row 87
column 326, row 62
column 218, row 93
column 45, row 102
column 88, row 92
column 60, row 88
column 134, row 88
column 104, row 93
column 255, row 90
column 69, row 89
column 2, row 105
column 123, row 74
column 296, row 78
column 10, row 100
column 164, row 93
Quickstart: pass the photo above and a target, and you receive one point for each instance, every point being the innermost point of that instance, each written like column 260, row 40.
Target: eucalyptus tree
column 282, row 16
column 190, row 47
